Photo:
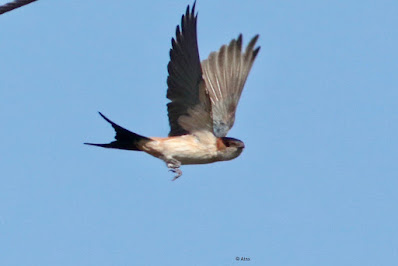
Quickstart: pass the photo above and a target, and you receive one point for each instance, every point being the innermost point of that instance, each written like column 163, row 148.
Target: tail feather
column 125, row 139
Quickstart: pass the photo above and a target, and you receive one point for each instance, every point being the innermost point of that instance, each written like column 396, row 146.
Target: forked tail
column 125, row 139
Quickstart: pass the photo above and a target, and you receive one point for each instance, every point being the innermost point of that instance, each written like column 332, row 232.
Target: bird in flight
column 203, row 100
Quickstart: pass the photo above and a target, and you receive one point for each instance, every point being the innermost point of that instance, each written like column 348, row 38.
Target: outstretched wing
column 14, row 4
column 225, row 73
column 189, row 109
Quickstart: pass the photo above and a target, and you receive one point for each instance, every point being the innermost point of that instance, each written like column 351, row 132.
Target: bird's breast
column 187, row 149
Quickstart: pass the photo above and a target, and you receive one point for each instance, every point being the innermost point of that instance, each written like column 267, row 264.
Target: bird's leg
column 174, row 165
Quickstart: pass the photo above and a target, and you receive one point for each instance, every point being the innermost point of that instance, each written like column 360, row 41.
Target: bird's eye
column 227, row 143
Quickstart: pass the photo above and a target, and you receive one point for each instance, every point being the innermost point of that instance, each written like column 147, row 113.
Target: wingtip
column 190, row 11
column 254, row 39
column 193, row 7
column 252, row 43
column 239, row 41
column 187, row 11
column 255, row 52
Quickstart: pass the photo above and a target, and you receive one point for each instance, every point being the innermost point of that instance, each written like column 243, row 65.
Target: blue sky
column 316, row 184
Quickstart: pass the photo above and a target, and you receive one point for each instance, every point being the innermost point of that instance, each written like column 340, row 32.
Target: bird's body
column 187, row 149
column 201, row 148
column 204, row 96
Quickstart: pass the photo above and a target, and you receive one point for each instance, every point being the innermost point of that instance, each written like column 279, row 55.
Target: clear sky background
column 316, row 185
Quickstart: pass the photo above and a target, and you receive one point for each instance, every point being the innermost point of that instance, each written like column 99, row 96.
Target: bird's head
column 230, row 148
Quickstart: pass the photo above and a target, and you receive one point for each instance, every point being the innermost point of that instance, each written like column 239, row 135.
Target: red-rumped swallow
column 204, row 96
